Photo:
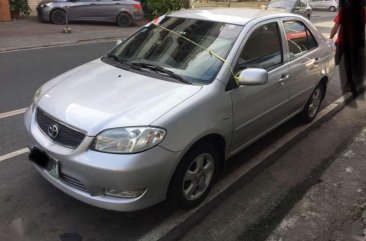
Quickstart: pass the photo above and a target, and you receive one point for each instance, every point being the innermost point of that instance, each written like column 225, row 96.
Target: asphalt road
column 45, row 212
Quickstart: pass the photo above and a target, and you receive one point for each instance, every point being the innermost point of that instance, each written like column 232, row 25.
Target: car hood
column 98, row 96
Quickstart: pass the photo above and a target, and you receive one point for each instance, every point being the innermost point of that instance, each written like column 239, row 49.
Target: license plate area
column 45, row 161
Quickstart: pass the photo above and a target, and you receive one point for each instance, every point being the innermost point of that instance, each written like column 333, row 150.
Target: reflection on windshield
column 157, row 46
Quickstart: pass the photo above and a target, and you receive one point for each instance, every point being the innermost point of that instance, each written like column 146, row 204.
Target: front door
column 256, row 109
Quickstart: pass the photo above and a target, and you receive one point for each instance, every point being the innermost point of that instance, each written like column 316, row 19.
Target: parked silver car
column 160, row 114
column 300, row 7
column 122, row 12
column 331, row 5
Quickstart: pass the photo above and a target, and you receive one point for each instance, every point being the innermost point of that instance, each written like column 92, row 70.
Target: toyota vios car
column 122, row 12
column 158, row 116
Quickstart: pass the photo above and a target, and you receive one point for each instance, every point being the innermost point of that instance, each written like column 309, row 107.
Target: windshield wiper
column 122, row 62
column 160, row 69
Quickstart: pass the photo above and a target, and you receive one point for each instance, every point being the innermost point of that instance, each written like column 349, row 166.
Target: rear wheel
column 124, row 20
column 58, row 16
column 313, row 105
column 332, row 9
column 194, row 176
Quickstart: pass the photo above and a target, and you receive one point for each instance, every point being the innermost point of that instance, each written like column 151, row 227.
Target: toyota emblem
column 53, row 130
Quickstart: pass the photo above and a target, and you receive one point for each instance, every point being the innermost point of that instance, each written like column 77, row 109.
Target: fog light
column 124, row 194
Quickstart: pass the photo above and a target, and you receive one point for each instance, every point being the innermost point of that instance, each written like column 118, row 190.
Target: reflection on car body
column 160, row 114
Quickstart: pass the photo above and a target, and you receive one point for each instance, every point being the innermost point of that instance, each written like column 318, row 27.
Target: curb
column 174, row 226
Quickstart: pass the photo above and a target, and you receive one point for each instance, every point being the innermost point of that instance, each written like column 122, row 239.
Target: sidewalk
column 29, row 32
column 334, row 209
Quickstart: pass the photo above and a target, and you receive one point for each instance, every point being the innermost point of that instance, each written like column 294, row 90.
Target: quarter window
column 299, row 38
column 262, row 49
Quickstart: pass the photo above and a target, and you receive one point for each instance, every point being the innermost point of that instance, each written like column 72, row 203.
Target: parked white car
column 331, row 5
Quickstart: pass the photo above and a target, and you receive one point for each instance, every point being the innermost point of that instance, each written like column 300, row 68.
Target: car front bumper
column 86, row 174
column 43, row 13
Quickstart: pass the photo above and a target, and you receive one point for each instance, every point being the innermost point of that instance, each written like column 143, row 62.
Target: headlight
column 128, row 140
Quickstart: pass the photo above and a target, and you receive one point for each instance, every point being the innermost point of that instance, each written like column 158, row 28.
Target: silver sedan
column 160, row 114
column 122, row 12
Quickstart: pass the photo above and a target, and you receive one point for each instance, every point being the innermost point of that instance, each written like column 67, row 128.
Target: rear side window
column 299, row 38
column 262, row 49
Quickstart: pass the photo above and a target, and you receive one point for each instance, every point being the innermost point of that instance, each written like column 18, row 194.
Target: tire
column 332, row 9
column 58, row 16
column 124, row 20
column 313, row 105
column 193, row 178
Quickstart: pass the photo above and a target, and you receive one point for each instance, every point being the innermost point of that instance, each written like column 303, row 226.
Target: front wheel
column 58, row 16
column 194, row 176
column 124, row 20
column 332, row 9
column 313, row 105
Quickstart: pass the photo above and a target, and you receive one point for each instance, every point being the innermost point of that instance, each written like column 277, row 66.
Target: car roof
column 238, row 16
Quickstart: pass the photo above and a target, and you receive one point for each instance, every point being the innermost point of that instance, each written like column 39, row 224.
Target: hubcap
column 198, row 176
column 314, row 102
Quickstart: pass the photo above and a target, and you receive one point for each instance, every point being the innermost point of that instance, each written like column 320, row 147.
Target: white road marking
column 13, row 154
column 12, row 113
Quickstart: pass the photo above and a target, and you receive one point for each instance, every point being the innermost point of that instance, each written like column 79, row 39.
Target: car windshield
column 286, row 4
column 181, row 46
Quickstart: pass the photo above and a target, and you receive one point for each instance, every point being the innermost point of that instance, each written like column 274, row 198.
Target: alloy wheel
column 198, row 176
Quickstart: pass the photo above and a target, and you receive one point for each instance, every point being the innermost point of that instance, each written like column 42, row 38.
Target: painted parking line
column 166, row 229
column 12, row 113
column 13, row 154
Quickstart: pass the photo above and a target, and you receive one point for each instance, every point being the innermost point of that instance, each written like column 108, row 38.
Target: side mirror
column 253, row 76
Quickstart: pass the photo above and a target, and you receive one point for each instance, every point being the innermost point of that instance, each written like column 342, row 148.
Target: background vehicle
column 331, row 5
column 300, row 7
column 161, row 113
column 122, row 12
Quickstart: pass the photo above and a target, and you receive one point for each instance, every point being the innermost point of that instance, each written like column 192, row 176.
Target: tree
column 155, row 8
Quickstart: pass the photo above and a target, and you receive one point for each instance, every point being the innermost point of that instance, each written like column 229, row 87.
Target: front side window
column 156, row 45
column 262, row 49
column 299, row 38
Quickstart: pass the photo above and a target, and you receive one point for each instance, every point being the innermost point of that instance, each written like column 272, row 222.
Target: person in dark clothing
column 350, row 25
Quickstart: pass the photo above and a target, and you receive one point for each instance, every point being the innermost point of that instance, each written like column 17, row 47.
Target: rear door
column 84, row 10
column 305, row 57
column 256, row 109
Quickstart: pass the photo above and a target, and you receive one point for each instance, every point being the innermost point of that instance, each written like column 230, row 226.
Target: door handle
column 93, row 4
column 283, row 78
column 316, row 60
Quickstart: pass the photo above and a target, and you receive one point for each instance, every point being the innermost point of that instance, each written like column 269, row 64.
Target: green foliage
column 155, row 8
column 19, row 6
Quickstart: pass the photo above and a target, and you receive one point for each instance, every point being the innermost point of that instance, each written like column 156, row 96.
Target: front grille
column 73, row 182
column 66, row 136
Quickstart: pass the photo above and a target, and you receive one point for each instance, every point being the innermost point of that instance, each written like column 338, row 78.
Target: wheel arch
column 126, row 12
